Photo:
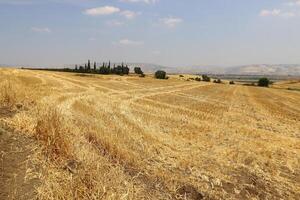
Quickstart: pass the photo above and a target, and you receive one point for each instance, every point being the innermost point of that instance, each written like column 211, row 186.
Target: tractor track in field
column 17, row 172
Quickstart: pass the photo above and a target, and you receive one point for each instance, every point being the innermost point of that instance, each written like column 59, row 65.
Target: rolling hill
column 263, row 69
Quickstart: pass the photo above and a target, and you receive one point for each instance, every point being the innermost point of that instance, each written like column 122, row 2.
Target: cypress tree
column 95, row 67
column 89, row 66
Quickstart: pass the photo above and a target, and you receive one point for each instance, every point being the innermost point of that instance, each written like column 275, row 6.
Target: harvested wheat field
column 125, row 137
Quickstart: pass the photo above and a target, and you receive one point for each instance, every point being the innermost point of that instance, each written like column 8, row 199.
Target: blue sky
column 167, row 32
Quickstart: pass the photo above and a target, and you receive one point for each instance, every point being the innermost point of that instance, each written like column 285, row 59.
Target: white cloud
column 41, row 30
column 129, row 14
column 276, row 13
column 288, row 14
column 141, row 1
column 114, row 23
column 105, row 10
column 171, row 22
column 108, row 10
column 130, row 42
column 294, row 3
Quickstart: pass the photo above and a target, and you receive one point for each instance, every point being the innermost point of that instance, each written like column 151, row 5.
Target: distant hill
column 149, row 68
column 263, row 69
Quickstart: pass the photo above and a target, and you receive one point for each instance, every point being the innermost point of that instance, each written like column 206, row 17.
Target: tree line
column 105, row 68
column 93, row 68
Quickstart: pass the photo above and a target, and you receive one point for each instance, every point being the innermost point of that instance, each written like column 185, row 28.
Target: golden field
column 125, row 137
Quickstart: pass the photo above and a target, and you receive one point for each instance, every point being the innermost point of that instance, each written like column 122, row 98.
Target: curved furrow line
column 269, row 120
column 161, row 89
column 277, row 108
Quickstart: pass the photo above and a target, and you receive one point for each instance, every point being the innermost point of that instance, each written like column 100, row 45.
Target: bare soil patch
column 17, row 180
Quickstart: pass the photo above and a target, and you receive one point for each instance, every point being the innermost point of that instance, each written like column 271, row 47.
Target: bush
column 205, row 78
column 197, row 79
column 160, row 74
column 263, row 82
column 217, row 81
column 181, row 76
column 231, row 82
column 138, row 70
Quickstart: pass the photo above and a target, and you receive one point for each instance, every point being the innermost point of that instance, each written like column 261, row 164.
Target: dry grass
column 8, row 94
column 51, row 131
column 131, row 138
column 293, row 85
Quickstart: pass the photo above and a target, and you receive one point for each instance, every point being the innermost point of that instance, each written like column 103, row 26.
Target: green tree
column 138, row 70
column 263, row 82
column 205, row 78
column 160, row 74
column 81, row 69
column 89, row 65
column 197, row 79
column 126, row 70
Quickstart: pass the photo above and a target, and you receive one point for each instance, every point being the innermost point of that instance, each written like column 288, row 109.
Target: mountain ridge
column 256, row 69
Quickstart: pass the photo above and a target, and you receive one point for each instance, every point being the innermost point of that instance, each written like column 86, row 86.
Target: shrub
column 181, row 76
column 217, row 81
column 138, row 70
column 161, row 74
column 263, row 82
column 197, row 79
column 231, row 82
column 205, row 78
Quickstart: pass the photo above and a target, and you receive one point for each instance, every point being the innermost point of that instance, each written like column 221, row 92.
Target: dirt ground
column 15, row 166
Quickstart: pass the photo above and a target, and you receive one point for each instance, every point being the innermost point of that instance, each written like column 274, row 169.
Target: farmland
column 126, row 137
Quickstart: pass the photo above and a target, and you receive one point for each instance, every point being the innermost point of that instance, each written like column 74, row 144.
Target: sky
column 166, row 32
